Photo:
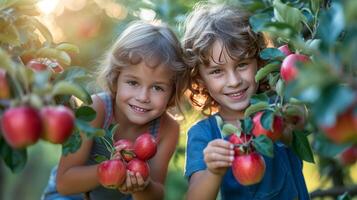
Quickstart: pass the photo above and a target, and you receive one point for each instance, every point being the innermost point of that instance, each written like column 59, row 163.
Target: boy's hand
column 218, row 156
column 133, row 183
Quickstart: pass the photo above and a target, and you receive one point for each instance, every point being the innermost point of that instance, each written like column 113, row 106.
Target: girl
column 224, row 54
column 144, row 74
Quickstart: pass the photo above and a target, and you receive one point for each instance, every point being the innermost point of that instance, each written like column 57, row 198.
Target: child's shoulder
column 168, row 122
column 99, row 105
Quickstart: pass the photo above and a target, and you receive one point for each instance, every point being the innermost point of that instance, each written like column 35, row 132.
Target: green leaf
column 334, row 100
column 229, row 129
column 54, row 54
column 72, row 144
column 67, row 88
column 331, row 24
column 255, row 108
column 43, row 29
column 288, row 14
column 68, row 47
column 256, row 98
column 315, row 5
column 280, row 88
column 247, row 125
column 267, row 119
column 272, row 54
column 85, row 113
column 100, row 158
column 87, row 129
column 10, row 35
column 263, row 72
column 264, row 145
column 344, row 196
column 259, row 20
column 325, row 147
column 6, row 63
column 15, row 159
column 301, row 146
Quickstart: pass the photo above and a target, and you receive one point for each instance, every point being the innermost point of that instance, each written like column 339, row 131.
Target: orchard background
column 49, row 48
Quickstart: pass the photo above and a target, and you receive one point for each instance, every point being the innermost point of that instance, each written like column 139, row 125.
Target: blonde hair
column 153, row 44
column 207, row 24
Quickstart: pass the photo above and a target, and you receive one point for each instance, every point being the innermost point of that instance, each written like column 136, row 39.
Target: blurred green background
column 93, row 25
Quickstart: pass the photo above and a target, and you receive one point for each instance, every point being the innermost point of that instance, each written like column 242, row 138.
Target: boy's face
column 231, row 83
column 143, row 92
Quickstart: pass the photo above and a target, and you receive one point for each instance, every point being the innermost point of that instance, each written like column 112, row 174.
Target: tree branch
column 335, row 191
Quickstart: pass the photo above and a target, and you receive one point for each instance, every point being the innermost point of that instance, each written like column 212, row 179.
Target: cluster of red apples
column 344, row 130
column 130, row 156
column 24, row 125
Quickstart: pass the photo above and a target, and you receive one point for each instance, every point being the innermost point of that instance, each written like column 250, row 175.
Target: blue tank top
column 98, row 148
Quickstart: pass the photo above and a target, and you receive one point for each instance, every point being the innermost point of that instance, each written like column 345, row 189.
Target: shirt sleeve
column 198, row 138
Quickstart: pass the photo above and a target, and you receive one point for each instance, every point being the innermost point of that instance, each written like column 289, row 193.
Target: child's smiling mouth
column 139, row 109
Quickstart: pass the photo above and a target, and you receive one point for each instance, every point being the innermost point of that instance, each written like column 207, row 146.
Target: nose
column 143, row 95
column 234, row 79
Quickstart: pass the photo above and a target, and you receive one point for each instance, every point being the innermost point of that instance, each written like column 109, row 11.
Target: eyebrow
column 156, row 82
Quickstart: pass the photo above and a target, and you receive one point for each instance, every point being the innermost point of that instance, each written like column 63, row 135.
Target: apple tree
column 42, row 96
column 311, row 81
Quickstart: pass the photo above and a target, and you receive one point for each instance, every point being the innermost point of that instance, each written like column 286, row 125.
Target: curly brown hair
column 207, row 24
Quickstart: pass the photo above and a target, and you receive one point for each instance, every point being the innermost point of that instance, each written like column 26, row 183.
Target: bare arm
column 169, row 132
column 218, row 156
column 73, row 176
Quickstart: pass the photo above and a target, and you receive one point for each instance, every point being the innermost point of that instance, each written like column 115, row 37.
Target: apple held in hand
column 111, row 173
column 21, row 126
column 139, row 166
column 258, row 128
column 58, row 123
column 248, row 169
column 145, row 146
column 241, row 143
column 126, row 149
column 4, row 86
column 288, row 70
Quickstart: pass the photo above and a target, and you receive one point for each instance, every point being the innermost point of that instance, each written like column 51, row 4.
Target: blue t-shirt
column 283, row 178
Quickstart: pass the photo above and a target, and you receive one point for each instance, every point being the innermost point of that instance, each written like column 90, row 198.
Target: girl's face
column 143, row 92
column 230, row 83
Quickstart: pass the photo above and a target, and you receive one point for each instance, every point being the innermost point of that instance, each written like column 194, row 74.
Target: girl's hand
column 133, row 183
column 218, row 156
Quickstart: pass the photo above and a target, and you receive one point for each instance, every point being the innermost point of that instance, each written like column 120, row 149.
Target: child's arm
column 204, row 184
column 73, row 176
column 169, row 132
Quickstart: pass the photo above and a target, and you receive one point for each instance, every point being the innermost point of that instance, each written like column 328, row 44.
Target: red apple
column 349, row 156
column 58, row 123
column 21, row 126
column 145, row 146
column 140, row 166
column 248, row 169
column 5, row 92
column 111, row 173
column 344, row 129
column 258, row 128
column 288, row 70
column 241, row 143
column 36, row 65
column 285, row 49
column 126, row 149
